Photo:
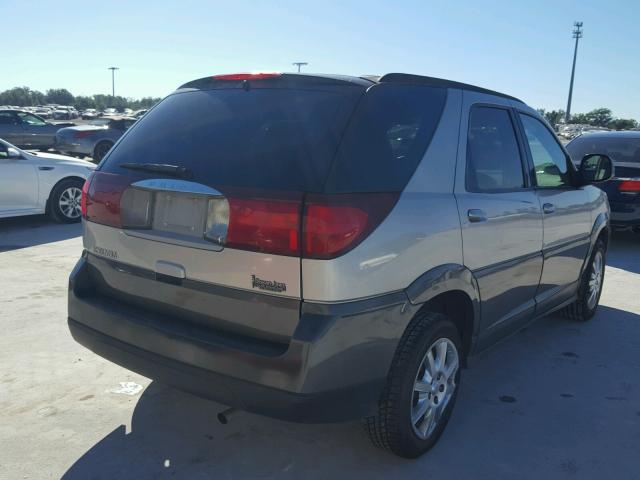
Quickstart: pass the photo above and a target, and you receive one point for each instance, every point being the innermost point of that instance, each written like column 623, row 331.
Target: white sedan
column 33, row 183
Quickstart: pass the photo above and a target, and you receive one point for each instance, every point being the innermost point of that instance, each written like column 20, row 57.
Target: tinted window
column 619, row 149
column 269, row 138
column 493, row 157
column 549, row 160
column 386, row 139
column 7, row 118
column 31, row 119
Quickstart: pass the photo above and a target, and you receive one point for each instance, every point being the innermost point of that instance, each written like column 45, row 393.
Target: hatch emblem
column 269, row 285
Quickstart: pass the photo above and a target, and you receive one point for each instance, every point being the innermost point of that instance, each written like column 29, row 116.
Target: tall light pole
column 577, row 34
column 299, row 64
column 113, row 80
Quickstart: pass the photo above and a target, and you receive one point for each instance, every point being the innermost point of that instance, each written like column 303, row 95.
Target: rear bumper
column 625, row 214
column 332, row 369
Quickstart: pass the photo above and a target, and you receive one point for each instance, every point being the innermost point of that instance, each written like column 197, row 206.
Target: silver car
column 92, row 140
column 323, row 248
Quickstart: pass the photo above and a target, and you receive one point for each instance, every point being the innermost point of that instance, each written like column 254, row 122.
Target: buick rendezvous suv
column 323, row 248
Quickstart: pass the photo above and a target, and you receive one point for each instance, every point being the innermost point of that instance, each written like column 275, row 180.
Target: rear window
column 268, row 138
column 324, row 140
column 619, row 149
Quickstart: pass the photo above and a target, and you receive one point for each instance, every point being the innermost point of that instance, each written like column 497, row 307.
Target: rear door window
column 494, row 162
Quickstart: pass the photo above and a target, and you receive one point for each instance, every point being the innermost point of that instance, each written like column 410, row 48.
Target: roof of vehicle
column 365, row 80
column 611, row 134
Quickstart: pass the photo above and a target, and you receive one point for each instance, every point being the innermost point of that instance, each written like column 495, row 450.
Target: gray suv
column 323, row 248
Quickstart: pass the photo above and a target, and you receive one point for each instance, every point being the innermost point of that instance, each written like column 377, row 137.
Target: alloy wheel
column 595, row 279
column 434, row 386
column 69, row 202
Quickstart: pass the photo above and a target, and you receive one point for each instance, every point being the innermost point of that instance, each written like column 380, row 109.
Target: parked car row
column 30, row 131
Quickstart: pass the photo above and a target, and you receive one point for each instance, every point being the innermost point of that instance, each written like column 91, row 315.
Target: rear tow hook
column 224, row 416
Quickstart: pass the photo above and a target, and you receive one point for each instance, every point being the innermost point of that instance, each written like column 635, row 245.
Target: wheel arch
column 600, row 230
column 450, row 289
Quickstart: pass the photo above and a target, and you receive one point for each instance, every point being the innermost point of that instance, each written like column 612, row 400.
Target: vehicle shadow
column 176, row 435
column 32, row 230
column 624, row 251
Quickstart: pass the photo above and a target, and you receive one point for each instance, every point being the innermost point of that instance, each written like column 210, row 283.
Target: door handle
column 475, row 215
column 548, row 208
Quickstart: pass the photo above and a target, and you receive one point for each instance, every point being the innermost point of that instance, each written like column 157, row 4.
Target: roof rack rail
column 438, row 82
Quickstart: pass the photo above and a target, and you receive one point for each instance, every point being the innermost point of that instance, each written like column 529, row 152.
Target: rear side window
column 386, row 138
column 549, row 160
column 619, row 149
column 280, row 139
column 493, row 157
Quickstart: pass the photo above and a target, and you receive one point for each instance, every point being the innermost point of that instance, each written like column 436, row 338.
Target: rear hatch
column 206, row 206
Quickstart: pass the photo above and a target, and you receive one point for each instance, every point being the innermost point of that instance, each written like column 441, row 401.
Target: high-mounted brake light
column 246, row 76
column 629, row 186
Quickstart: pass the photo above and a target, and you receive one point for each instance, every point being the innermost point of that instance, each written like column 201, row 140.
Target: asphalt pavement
column 558, row 400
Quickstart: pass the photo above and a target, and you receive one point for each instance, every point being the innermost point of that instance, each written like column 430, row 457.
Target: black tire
column 392, row 428
column 581, row 310
column 100, row 150
column 56, row 211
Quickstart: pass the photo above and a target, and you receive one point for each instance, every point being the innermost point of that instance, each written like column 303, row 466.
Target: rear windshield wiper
column 174, row 170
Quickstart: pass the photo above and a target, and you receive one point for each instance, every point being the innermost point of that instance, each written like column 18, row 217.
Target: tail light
column 83, row 198
column 101, row 202
column 335, row 224
column 271, row 226
column 318, row 227
column 82, row 134
column 629, row 186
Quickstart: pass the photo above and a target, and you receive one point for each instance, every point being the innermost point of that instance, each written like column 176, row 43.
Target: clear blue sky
column 520, row 48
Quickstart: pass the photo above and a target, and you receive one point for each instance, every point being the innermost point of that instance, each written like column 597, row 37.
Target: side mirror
column 595, row 168
column 13, row 153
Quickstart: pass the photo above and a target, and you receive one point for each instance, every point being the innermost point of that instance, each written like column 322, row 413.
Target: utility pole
column 299, row 64
column 113, row 80
column 577, row 34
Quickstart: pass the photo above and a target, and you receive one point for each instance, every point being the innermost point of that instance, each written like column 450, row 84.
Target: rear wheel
column 590, row 287
column 64, row 202
column 421, row 388
column 101, row 150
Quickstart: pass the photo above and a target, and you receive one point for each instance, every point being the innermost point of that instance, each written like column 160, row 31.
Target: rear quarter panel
column 421, row 232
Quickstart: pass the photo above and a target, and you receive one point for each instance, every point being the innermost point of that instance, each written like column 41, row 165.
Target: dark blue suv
column 624, row 189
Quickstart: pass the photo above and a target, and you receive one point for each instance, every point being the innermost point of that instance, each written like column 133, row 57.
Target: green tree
column 623, row 124
column 21, row 96
column 60, row 96
column 600, row 117
column 580, row 118
column 552, row 116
